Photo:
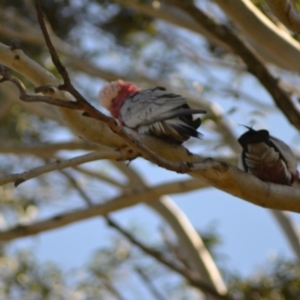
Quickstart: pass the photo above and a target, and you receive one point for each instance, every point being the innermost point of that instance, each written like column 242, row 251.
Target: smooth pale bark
column 273, row 43
column 287, row 13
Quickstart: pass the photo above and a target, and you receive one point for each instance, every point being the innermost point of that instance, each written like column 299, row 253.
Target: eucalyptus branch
column 256, row 26
column 19, row 178
column 143, row 195
column 252, row 60
column 286, row 11
column 289, row 229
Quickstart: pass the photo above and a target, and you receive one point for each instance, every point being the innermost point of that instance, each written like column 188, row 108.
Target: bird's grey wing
column 286, row 153
column 152, row 105
column 174, row 113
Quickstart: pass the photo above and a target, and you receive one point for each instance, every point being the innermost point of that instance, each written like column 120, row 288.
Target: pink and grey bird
column 267, row 157
column 155, row 111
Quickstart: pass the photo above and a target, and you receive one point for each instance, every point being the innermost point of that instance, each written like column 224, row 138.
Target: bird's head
column 113, row 94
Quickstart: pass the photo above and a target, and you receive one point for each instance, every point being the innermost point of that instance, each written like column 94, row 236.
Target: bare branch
column 81, row 192
column 189, row 275
column 39, row 109
column 280, row 47
column 136, row 196
column 254, row 63
column 47, row 90
column 100, row 176
column 172, row 15
column 55, row 58
column 254, row 24
column 289, row 229
column 109, row 286
column 19, row 178
column 248, row 187
column 149, row 284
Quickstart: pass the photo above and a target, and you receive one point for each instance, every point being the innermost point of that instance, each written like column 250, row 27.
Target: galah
column 155, row 111
column 267, row 157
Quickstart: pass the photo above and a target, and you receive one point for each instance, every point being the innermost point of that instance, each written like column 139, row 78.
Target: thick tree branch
column 171, row 14
column 279, row 46
column 254, row 63
column 131, row 198
column 245, row 186
column 254, row 24
column 286, row 11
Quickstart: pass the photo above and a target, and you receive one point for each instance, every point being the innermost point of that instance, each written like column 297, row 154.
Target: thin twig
column 55, row 58
column 109, row 286
column 189, row 275
column 6, row 76
column 19, row 178
column 157, row 295
column 99, row 176
column 81, row 192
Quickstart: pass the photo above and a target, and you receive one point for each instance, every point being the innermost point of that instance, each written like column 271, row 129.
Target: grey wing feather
column 152, row 105
column 174, row 113
column 286, row 153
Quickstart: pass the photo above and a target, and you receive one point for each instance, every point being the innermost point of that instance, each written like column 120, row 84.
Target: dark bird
column 267, row 157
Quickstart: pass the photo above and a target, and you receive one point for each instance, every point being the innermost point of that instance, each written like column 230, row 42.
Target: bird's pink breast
column 126, row 90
